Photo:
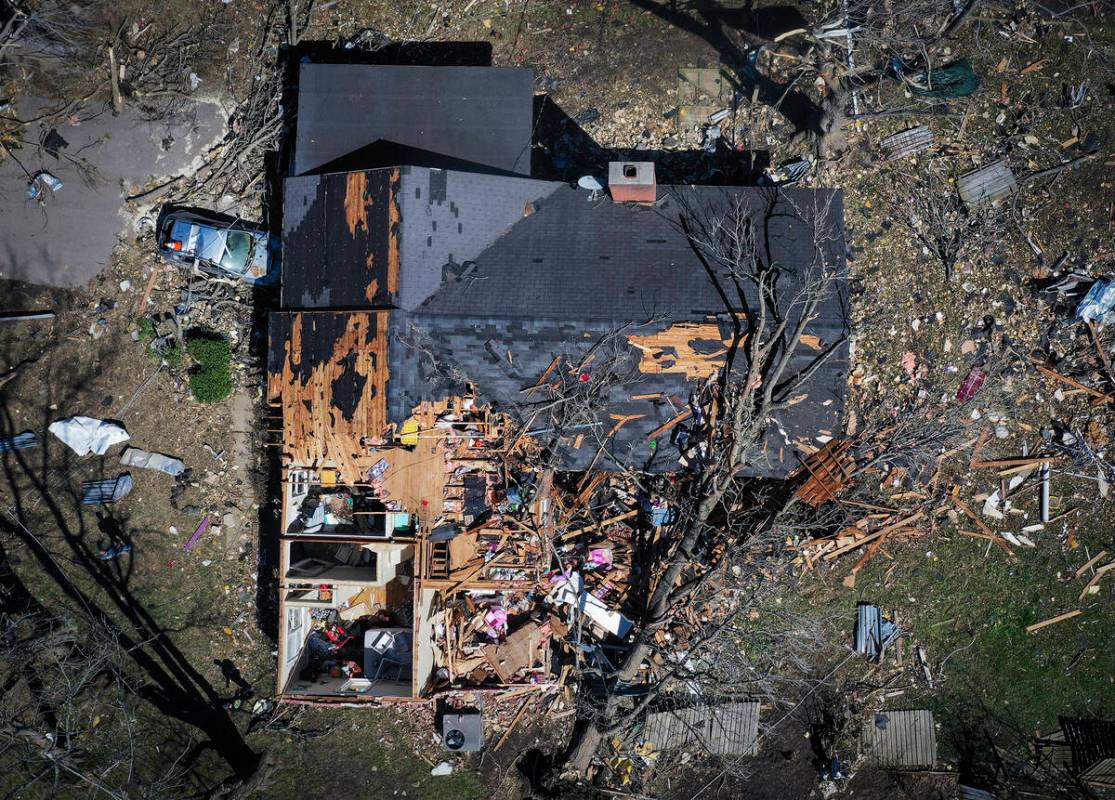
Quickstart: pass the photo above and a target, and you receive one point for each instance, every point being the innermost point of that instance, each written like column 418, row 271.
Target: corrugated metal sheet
column 873, row 633
column 728, row 729
column 903, row 739
column 110, row 490
column 908, row 142
column 972, row 793
column 987, row 184
column 21, row 441
column 1102, row 773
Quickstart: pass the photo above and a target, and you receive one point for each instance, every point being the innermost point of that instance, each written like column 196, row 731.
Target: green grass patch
column 172, row 354
column 211, row 378
column 969, row 608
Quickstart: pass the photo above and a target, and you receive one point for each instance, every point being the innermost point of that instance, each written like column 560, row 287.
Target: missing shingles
column 439, row 186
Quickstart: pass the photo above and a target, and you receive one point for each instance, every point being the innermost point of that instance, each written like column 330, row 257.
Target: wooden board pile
column 493, row 639
column 865, row 538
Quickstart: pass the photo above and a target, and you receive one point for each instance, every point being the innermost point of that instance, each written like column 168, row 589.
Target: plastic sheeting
column 1099, row 303
column 134, row 457
column 86, row 435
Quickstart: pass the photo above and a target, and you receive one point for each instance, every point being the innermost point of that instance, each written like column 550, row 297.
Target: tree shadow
column 44, row 511
column 734, row 33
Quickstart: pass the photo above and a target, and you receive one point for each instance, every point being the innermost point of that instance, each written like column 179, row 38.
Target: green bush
column 174, row 357
column 172, row 354
column 211, row 378
column 146, row 329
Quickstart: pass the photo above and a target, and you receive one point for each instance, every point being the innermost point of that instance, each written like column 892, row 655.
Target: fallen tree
column 764, row 371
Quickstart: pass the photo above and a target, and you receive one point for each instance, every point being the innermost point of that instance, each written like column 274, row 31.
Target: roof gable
column 482, row 115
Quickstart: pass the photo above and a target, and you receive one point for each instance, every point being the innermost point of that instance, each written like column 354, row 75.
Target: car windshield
column 238, row 250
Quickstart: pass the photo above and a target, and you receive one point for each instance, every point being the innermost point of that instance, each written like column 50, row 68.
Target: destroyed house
column 431, row 289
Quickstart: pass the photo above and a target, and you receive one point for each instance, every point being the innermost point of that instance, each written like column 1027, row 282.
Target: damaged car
column 218, row 245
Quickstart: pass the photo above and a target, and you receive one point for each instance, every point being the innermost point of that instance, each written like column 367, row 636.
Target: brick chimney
column 632, row 181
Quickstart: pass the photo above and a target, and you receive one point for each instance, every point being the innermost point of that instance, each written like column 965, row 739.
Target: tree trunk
column 114, row 76
column 585, row 745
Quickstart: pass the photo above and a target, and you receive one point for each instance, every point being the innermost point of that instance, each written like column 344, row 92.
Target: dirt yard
column 613, row 66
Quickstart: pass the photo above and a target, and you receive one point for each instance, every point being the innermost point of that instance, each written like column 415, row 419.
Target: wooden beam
column 601, row 524
column 1096, row 578
column 1057, row 376
column 665, row 426
column 1037, row 626
column 514, row 721
column 1091, row 562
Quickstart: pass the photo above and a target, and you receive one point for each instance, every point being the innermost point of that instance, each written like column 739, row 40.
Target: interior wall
column 424, row 638
column 297, row 622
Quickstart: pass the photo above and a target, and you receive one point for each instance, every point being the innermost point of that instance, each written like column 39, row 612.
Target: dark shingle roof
column 489, row 265
column 340, row 240
column 481, row 115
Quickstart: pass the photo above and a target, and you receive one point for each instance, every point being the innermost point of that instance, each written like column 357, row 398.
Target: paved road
column 67, row 240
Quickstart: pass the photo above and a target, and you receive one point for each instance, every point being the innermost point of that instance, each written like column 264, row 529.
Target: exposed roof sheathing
column 490, row 277
column 482, row 115
column 332, row 378
column 341, row 240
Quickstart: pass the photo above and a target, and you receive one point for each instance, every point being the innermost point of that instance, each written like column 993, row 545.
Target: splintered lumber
column 590, row 486
column 621, row 420
column 1096, row 578
column 601, row 524
column 545, row 375
column 872, row 548
column 665, row 426
column 885, row 531
column 1037, row 626
column 141, row 307
column 988, row 533
column 999, row 463
column 1057, row 376
column 514, row 721
column 1091, row 562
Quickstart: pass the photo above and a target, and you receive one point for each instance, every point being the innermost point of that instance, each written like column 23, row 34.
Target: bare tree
column 68, row 714
column 935, row 215
column 770, row 311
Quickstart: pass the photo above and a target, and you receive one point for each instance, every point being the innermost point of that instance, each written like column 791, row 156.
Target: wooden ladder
column 439, row 560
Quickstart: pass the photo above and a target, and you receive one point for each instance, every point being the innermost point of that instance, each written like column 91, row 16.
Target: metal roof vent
column 632, row 181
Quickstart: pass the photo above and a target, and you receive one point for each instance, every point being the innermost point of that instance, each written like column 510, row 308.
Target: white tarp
column 134, row 457
column 88, row 435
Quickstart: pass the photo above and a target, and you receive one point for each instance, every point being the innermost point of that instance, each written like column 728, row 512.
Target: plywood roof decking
column 332, row 381
column 416, row 478
column 695, row 349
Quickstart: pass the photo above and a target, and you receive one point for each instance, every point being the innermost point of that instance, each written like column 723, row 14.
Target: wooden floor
column 416, row 478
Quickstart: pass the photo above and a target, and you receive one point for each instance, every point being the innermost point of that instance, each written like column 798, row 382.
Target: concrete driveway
column 67, row 239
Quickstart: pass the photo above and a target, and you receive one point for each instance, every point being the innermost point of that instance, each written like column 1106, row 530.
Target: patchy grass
column 373, row 745
column 969, row 608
